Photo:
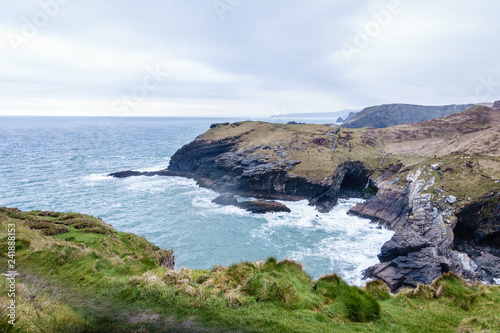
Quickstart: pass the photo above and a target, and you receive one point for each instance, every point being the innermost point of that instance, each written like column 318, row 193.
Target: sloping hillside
column 396, row 114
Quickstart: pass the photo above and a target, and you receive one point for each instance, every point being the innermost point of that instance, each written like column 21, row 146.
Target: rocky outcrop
column 397, row 114
column 222, row 167
column 496, row 105
column 422, row 247
column 477, row 233
column 254, row 206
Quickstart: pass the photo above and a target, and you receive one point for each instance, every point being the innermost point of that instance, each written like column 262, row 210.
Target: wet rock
column 125, row 174
column 255, row 206
column 401, row 244
column 263, row 206
column 389, row 208
column 422, row 247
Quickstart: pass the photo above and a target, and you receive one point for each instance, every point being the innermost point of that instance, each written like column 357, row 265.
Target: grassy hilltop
column 78, row 274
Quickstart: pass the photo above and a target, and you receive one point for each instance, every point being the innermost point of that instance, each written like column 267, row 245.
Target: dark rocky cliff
column 424, row 245
column 219, row 166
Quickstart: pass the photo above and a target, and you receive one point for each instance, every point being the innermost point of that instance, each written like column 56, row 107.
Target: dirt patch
column 143, row 318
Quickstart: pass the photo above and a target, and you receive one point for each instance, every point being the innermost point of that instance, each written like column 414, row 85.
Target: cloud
column 262, row 56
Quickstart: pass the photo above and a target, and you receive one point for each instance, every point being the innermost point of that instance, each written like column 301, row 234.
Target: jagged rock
column 422, row 266
column 263, row 206
column 422, row 247
column 401, row 244
column 388, row 207
column 255, row 206
column 477, row 233
column 125, row 174
column 451, row 199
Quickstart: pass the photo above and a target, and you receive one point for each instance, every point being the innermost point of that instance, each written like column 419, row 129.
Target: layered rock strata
column 423, row 246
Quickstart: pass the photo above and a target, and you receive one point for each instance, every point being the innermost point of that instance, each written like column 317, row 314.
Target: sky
column 243, row 58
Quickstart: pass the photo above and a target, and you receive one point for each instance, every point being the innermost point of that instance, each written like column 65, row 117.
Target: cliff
column 397, row 114
column 422, row 175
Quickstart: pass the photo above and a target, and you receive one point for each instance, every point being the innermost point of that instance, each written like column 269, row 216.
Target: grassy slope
column 93, row 276
column 466, row 144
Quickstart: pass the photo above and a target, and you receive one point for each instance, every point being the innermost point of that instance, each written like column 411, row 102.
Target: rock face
column 422, row 247
column 396, row 114
column 478, row 234
column 496, row 105
column 221, row 167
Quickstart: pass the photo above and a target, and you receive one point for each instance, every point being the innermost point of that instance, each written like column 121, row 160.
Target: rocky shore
column 437, row 228
column 424, row 244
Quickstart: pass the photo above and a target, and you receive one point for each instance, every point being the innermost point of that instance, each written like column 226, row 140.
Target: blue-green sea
column 61, row 163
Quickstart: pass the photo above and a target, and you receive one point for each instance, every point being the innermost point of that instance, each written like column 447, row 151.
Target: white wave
column 349, row 243
column 210, row 208
column 147, row 184
column 157, row 167
column 96, row 177
column 203, row 202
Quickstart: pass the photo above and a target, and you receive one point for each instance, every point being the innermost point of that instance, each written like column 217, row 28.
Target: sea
column 61, row 164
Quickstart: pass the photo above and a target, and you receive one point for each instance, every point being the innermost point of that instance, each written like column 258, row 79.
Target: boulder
column 264, row 206
column 254, row 206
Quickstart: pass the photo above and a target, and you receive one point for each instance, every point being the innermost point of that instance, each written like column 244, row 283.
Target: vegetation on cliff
column 464, row 145
column 397, row 114
column 78, row 274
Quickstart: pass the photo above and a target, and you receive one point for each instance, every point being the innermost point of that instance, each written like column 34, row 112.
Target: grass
column 108, row 281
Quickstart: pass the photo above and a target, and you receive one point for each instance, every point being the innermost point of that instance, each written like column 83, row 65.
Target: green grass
column 89, row 281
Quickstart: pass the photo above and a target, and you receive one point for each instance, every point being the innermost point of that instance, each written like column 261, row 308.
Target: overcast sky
column 244, row 57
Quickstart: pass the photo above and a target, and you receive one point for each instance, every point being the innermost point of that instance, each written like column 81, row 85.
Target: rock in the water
column 125, row 174
column 340, row 120
column 254, row 206
column 263, row 206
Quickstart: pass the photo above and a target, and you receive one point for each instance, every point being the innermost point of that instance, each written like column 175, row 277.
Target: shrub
column 267, row 287
column 378, row 289
column 353, row 303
